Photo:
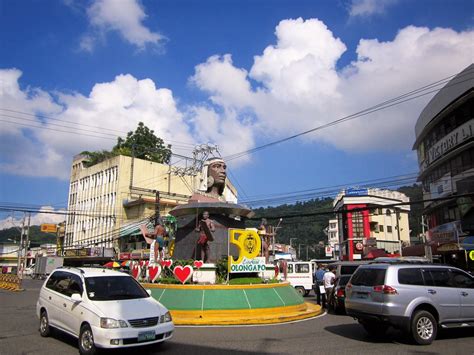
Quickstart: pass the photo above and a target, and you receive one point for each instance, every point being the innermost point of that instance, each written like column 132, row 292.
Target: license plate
column 362, row 295
column 145, row 336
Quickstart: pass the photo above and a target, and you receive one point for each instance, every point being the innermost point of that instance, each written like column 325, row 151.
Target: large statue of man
column 213, row 176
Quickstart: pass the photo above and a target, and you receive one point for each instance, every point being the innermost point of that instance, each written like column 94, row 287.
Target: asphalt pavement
column 325, row 334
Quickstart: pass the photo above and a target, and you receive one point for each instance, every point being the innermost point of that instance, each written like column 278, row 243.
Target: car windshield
column 110, row 288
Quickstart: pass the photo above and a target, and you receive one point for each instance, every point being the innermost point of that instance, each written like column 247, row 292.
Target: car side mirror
column 76, row 297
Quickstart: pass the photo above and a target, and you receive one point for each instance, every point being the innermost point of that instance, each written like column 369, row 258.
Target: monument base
column 233, row 304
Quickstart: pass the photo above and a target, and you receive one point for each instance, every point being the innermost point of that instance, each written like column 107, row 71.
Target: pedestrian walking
column 328, row 281
column 318, row 276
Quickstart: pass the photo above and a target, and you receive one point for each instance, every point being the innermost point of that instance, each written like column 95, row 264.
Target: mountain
column 36, row 236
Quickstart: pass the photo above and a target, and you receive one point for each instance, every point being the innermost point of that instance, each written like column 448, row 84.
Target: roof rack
column 401, row 260
column 71, row 267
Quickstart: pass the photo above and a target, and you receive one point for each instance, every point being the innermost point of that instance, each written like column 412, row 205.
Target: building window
column 374, row 227
column 381, row 228
column 389, row 229
column 358, row 225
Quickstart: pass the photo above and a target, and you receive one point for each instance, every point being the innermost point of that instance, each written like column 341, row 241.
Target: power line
column 332, row 212
column 414, row 94
column 190, row 145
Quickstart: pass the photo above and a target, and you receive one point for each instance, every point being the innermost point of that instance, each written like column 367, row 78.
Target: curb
column 247, row 317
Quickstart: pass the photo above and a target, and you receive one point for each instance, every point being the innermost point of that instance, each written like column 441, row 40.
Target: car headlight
column 112, row 323
column 167, row 317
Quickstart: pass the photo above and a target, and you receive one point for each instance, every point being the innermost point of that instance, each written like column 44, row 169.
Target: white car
column 102, row 308
column 29, row 270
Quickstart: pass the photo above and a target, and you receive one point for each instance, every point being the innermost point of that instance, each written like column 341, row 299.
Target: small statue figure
column 205, row 229
column 156, row 239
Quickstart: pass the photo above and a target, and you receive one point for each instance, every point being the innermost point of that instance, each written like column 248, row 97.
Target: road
column 326, row 334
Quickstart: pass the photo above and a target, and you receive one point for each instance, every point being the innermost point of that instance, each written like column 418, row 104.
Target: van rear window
column 368, row 277
column 348, row 269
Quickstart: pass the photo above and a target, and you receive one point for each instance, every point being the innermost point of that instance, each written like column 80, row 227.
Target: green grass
column 250, row 281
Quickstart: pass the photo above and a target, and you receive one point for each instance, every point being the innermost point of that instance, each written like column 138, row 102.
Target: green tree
column 96, row 157
column 142, row 144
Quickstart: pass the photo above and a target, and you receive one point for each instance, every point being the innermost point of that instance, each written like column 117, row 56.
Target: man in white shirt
column 328, row 281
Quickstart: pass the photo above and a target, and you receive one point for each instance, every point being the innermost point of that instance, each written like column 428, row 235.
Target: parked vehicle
column 45, row 265
column 416, row 298
column 102, row 308
column 299, row 274
column 338, row 294
column 29, row 270
column 347, row 267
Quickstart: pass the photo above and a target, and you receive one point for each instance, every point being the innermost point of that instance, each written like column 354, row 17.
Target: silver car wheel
column 43, row 323
column 424, row 328
column 87, row 340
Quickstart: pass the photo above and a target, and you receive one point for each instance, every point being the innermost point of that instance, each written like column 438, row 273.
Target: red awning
column 377, row 253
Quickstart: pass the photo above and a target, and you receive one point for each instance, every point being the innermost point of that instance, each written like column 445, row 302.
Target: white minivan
column 102, row 308
column 298, row 273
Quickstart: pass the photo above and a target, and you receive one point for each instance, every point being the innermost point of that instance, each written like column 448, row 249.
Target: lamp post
column 291, row 244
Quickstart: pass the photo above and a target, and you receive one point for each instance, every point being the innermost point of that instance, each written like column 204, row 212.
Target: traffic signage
column 49, row 228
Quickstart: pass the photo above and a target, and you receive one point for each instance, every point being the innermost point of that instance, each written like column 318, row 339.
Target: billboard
column 49, row 228
column 354, row 191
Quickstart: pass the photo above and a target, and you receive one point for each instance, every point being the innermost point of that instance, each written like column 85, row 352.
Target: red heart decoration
column 198, row 263
column 166, row 263
column 154, row 272
column 142, row 263
column 183, row 274
column 136, row 271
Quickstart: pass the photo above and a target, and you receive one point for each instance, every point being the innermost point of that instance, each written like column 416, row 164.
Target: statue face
column 218, row 172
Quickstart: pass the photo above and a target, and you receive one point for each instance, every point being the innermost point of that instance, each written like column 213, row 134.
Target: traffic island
column 233, row 304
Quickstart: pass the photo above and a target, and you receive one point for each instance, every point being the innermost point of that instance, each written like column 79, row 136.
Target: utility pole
column 428, row 253
column 20, row 248
column 157, row 207
column 24, row 247
column 397, row 216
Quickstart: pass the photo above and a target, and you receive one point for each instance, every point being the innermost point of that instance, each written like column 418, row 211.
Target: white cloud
column 110, row 110
column 36, row 219
column 292, row 86
column 124, row 16
column 369, row 7
column 297, row 87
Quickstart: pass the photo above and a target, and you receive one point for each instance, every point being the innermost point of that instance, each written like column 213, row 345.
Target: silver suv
column 414, row 298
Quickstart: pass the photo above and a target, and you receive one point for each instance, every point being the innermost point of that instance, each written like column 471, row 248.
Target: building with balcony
column 445, row 147
column 371, row 222
column 332, row 232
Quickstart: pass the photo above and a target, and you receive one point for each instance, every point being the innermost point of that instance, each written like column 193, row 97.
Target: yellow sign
column 471, row 254
column 249, row 244
column 49, row 228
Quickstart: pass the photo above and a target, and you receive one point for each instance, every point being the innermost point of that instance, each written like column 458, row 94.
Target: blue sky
column 239, row 74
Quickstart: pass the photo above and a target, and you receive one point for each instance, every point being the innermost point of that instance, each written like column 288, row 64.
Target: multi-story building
column 109, row 201
column 371, row 222
column 445, row 146
column 333, row 237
